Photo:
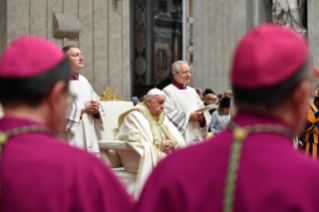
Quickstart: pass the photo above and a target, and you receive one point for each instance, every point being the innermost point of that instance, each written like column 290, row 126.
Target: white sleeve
column 73, row 115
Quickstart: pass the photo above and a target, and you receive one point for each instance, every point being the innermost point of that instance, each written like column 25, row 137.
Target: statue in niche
column 289, row 13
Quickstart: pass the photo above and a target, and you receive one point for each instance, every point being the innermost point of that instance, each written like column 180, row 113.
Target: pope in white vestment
column 84, row 116
column 182, row 102
column 150, row 134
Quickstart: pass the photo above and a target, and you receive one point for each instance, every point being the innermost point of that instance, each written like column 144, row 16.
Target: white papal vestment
column 136, row 130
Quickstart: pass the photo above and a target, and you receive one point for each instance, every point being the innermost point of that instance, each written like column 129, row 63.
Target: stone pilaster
column 313, row 30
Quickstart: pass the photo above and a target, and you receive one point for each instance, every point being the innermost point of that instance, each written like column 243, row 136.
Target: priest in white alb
column 150, row 134
column 84, row 113
column 183, row 103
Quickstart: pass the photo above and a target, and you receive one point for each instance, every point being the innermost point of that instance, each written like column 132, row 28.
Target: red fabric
column 203, row 123
column 272, row 176
column 267, row 56
column 316, row 71
column 41, row 173
column 179, row 85
column 74, row 77
column 29, row 56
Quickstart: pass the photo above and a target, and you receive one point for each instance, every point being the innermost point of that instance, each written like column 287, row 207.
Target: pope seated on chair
column 150, row 134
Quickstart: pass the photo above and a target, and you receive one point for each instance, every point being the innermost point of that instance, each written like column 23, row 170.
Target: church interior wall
column 313, row 31
column 104, row 39
column 3, row 24
column 218, row 25
column 215, row 27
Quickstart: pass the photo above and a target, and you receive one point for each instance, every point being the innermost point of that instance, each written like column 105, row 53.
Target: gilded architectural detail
column 108, row 95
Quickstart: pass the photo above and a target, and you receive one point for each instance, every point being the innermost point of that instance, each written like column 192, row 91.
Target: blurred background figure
column 221, row 117
column 141, row 98
column 316, row 102
column 228, row 93
column 211, row 99
column 135, row 100
column 220, row 96
column 199, row 93
column 208, row 91
column 311, row 130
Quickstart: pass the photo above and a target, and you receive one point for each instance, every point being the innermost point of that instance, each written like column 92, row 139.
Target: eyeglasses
column 185, row 72
column 213, row 99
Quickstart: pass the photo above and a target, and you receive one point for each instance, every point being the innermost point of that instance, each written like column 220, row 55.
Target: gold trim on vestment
column 157, row 127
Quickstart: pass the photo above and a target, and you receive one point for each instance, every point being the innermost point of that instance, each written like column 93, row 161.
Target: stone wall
column 218, row 25
column 313, row 30
column 104, row 39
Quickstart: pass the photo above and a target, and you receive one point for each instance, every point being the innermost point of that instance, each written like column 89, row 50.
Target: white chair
column 108, row 144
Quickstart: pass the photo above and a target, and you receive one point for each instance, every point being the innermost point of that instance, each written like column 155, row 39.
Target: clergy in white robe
column 85, row 111
column 150, row 134
column 182, row 103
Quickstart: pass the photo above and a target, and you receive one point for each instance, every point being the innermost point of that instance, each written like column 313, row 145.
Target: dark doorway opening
column 158, row 38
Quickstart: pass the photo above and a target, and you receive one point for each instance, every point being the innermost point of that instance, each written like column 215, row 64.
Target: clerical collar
column 179, row 85
column 74, row 77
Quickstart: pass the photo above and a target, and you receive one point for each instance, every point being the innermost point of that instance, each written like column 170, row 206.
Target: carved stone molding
column 66, row 25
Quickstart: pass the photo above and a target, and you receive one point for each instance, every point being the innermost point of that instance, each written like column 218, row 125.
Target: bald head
column 228, row 93
column 210, row 99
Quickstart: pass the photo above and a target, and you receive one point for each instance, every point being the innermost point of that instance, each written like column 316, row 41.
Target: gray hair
column 151, row 97
column 67, row 48
column 151, row 94
column 175, row 66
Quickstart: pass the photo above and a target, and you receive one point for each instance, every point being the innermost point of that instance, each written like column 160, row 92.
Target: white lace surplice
column 81, row 132
column 178, row 106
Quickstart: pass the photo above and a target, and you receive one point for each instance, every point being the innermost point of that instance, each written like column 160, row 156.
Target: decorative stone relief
column 163, row 59
column 140, row 65
column 289, row 13
column 190, row 34
column 66, row 25
column 140, row 42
